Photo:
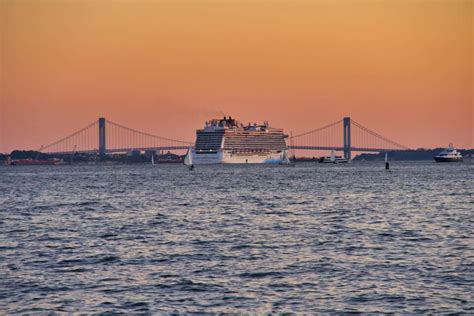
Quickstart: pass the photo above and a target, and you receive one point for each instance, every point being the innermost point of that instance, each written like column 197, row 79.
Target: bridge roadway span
column 169, row 148
column 340, row 148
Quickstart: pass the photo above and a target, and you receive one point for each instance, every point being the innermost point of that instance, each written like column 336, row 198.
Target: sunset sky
column 404, row 68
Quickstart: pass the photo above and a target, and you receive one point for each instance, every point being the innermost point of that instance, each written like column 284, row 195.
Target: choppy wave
column 263, row 239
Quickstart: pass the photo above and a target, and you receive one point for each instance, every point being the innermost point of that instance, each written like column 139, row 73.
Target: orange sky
column 403, row 68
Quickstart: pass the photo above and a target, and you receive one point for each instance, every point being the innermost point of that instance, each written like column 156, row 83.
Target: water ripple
column 136, row 239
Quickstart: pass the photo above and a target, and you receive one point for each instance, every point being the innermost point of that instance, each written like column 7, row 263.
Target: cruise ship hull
column 223, row 157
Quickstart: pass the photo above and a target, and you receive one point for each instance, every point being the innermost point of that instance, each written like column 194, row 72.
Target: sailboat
column 293, row 161
column 153, row 159
column 333, row 156
column 188, row 160
column 285, row 160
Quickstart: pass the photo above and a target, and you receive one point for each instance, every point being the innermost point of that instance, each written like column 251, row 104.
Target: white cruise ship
column 229, row 141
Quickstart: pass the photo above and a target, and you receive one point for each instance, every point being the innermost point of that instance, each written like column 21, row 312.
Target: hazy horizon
column 401, row 68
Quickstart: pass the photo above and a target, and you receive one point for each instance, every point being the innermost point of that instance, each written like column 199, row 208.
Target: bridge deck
column 165, row 148
column 361, row 149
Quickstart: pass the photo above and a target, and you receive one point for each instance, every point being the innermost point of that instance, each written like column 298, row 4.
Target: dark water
column 259, row 239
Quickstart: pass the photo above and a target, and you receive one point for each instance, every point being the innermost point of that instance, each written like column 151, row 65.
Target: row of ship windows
column 242, row 148
column 231, row 143
column 239, row 135
column 262, row 141
column 254, row 144
column 245, row 150
column 241, row 144
column 277, row 141
column 239, row 138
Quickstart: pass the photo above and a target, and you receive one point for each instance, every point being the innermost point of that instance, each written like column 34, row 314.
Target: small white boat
column 333, row 158
column 449, row 155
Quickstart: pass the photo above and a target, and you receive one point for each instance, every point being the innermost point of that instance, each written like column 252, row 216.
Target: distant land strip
column 396, row 155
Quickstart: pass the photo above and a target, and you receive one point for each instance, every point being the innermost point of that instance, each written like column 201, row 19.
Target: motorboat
column 333, row 158
column 449, row 155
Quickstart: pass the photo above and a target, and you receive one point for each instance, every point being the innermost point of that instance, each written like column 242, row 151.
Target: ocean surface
column 249, row 238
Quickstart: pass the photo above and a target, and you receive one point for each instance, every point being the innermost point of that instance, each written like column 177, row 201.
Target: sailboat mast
column 292, row 146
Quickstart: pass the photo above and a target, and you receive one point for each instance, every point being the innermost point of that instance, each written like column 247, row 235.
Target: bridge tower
column 102, row 148
column 347, row 137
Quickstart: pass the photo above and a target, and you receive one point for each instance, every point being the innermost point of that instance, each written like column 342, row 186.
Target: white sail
column 333, row 156
column 188, row 160
column 285, row 160
column 386, row 157
column 152, row 159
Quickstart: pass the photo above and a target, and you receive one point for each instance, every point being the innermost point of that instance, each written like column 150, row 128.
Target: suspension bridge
column 104, row 137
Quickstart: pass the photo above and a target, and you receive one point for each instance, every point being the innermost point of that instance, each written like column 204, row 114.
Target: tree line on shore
column 87, row 157
column 412, row 154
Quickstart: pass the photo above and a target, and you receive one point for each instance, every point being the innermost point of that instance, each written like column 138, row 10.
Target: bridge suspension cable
column 105, row 136
column 381, row 143
column 318, row 129
column 114, row 137
column 344, row 135
column 83, row 139
column 147, row 134
column 323, row 138
column 122, row 138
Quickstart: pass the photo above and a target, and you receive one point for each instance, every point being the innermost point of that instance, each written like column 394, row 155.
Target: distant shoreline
column 399, row 155
column 409, row 155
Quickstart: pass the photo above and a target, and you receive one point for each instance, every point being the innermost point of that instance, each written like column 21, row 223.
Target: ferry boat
column 449, row 155
column 228, row 141
column 333, row 158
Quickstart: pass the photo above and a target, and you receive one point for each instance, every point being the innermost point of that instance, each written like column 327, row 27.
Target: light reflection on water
column 315, row 238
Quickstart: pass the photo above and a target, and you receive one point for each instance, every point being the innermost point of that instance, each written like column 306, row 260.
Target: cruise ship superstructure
column 229, row 141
